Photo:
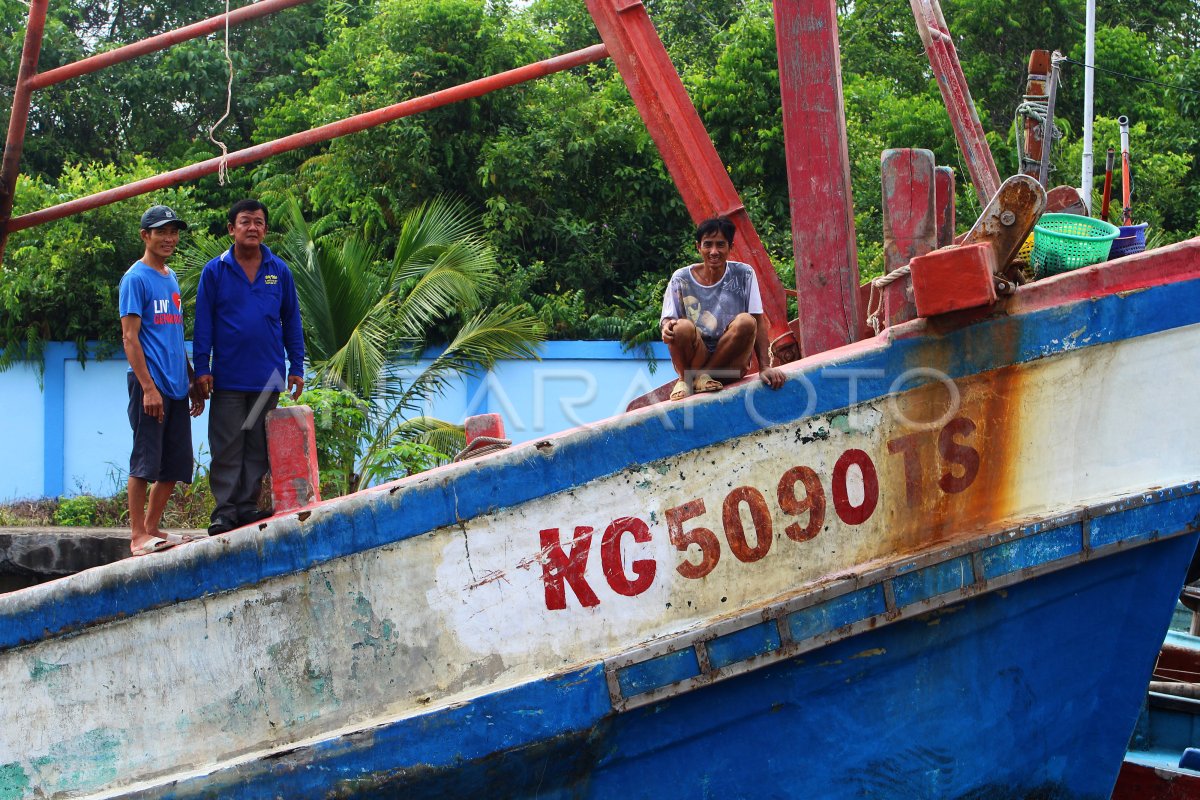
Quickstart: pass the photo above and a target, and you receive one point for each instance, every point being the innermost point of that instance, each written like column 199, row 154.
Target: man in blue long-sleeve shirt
column 247, row 320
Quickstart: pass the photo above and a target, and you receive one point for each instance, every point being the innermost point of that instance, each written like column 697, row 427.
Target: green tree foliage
column 159, row 105
column 573, row 197
column 405, row 49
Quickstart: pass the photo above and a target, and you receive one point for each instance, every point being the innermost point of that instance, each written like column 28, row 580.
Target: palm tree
column 365, row 320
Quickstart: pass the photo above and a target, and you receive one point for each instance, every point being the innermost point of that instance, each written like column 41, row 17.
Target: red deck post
column 19, row 118
column 683, row 143
column 943, row 58
column 489, row 425
column 292, row 451
column 909, row 222
column 818, row 167
column 943, row 192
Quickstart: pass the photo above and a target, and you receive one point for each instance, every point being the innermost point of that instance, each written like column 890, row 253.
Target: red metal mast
column 939, row 46
column 818, row 167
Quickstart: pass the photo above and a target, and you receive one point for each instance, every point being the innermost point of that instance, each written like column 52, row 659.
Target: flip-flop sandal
column 706, row 383
column 183, row 538
column 152, row 545
column 680, row 391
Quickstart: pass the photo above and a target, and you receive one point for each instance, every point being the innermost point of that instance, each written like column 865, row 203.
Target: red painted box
column 953, row 278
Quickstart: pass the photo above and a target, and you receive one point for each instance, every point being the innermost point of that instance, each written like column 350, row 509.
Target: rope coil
column 481, row 446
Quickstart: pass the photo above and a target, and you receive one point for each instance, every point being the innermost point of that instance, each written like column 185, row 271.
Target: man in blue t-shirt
column 158, row 380
column 247, row 321
column 712, row 317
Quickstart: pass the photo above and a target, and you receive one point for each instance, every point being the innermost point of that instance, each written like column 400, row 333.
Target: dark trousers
column 237, row 434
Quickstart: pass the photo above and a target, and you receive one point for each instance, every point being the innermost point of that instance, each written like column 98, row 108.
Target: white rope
column 1036, row 110
column 223, row 169
column 875, row 302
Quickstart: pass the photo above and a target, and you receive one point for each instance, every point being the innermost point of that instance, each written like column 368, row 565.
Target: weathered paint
column 1035, row 89
column 909, row 222
column 953, row 279
column 936, row 706
column 1009, row 218
column 416, row 597
column 944, row 205
column 292, row 446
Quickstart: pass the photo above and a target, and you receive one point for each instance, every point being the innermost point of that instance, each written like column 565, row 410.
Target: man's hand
column 202, row 387
column 196, row 394
column 152, row 403
column 296, row 384
column 667, row 327
column 772, row 377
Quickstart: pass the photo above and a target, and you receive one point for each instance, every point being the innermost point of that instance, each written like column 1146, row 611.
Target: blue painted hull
column 982, row 699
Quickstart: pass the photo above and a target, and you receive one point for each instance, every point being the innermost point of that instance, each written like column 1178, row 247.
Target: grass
column 188, row 508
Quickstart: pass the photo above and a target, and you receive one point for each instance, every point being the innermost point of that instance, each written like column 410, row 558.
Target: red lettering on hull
column 799, row 493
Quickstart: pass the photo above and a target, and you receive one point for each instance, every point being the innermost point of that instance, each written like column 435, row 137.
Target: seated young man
column 712, row 317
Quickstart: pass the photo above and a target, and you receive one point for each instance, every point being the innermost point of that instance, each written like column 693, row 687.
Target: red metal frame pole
column 17, row 121
column 672, row 121
column 818, row 168
column 160, row 42
column 943, row 58
column 324, row 133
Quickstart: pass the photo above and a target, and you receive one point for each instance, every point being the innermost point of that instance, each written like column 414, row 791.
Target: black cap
column 157, row 216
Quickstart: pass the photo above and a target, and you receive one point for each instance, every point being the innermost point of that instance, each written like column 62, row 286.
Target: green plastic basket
column 1063, row 242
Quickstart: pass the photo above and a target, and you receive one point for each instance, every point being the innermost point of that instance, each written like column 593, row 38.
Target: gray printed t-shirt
column 712, row 308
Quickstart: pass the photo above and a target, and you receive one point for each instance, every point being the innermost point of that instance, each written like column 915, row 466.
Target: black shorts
column 161, row 451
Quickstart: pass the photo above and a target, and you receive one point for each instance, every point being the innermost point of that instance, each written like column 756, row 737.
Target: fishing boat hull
column 938, row 563
column 983, row 699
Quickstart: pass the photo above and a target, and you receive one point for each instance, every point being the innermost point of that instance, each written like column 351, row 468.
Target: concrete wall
column 70, row 435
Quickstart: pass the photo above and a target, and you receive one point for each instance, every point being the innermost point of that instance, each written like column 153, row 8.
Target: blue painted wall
column 70, row 435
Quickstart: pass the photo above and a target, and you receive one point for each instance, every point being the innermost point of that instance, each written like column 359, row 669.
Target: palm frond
column 500, row 333
column 455, row 282
column 194, row 252
column 428, row 229
column 360, row 361
column 348, row 317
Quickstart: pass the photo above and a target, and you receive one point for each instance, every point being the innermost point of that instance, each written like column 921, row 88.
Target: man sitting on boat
column 712, row 317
